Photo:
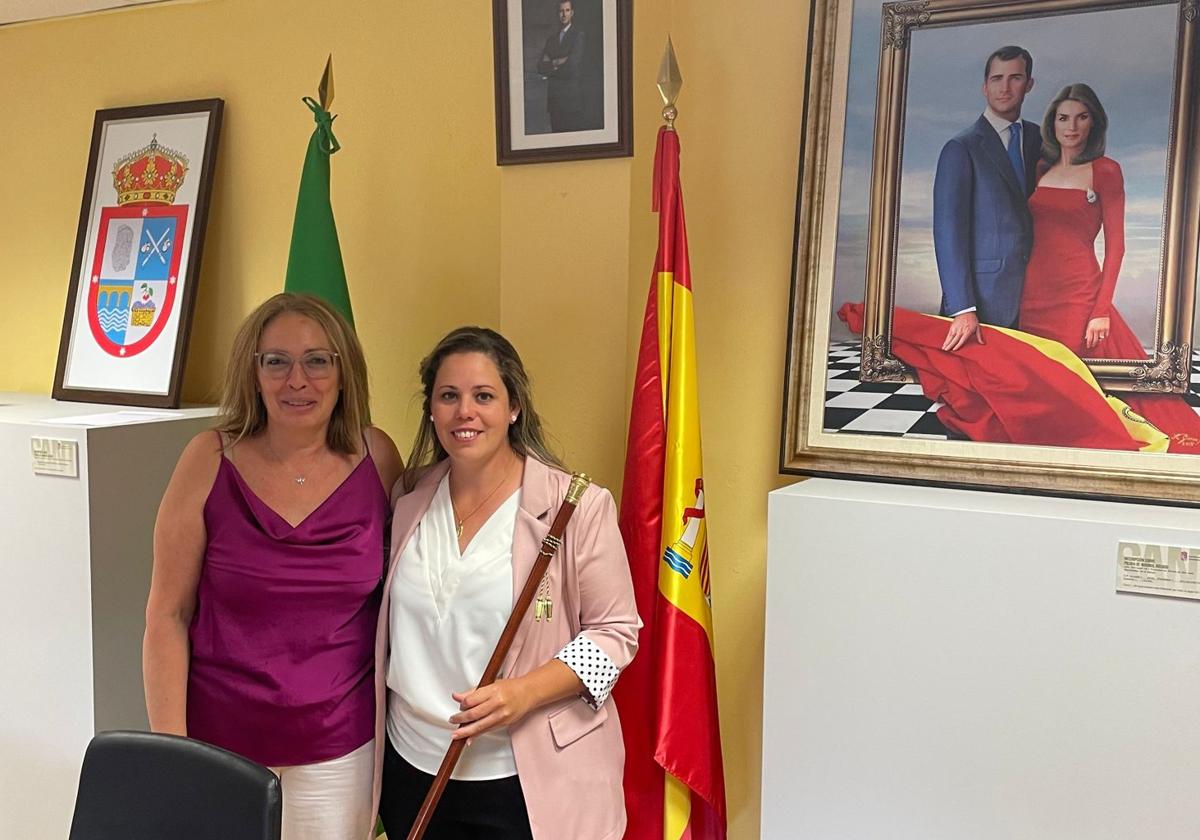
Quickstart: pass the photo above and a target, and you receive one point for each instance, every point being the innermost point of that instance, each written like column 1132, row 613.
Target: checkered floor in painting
column 893, row 408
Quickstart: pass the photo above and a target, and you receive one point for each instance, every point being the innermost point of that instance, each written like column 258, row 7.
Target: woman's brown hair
column 1094, row 147
column 525, row 436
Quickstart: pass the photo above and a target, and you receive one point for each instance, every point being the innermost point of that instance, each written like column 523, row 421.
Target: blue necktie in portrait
column 1014, row 153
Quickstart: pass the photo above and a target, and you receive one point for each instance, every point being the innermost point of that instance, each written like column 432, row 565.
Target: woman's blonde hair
column 525, row 435
column 242, row 411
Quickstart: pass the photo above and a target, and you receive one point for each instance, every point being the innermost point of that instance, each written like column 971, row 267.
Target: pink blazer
column 570, row 759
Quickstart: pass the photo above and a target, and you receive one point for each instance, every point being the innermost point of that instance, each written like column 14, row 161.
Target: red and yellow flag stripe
column 674, row 778
column 1014, row 388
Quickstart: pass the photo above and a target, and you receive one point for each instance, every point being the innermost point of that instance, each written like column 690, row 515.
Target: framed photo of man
column 995, row 263
column 562, row 79
column 137, row 254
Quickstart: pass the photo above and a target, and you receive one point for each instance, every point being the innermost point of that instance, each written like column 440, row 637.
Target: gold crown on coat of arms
column 151, row 175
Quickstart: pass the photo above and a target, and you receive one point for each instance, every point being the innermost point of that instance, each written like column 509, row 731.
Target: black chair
column 142, row 786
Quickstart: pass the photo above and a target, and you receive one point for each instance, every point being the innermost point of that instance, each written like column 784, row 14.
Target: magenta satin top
column 283, row 638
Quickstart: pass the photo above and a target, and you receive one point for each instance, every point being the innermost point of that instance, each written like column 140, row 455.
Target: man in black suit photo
column 561, row 64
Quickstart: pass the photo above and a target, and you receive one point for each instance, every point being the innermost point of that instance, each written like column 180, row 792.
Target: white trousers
column 329, row 800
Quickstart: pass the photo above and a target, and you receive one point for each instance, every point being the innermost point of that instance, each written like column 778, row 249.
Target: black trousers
column 491, row 810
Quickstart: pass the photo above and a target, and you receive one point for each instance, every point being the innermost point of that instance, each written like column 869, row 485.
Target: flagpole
column 315, row 265
column 669, row 83
column 677, row 803
column 674, row 779
column 325, row 88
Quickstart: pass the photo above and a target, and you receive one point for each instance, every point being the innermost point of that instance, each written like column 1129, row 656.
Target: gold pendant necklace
column 460, row 521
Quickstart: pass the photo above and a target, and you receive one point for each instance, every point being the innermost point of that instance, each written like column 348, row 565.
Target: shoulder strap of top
column 226, row 451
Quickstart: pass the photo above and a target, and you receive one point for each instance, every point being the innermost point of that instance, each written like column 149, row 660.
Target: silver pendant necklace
column 298, row 478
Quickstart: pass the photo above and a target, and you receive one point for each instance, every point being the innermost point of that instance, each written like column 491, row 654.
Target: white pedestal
column 75, row 559
column 945, row 664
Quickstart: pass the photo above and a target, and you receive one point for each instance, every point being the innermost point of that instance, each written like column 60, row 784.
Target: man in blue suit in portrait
column 982, row 231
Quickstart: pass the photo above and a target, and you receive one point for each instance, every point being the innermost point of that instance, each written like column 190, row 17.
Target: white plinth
column 75, row 558
column 944, row 665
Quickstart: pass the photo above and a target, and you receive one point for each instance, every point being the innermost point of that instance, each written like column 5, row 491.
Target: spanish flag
column 674, row 781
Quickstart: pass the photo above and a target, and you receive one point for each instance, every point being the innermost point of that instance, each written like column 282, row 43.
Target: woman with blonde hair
column 268, row 555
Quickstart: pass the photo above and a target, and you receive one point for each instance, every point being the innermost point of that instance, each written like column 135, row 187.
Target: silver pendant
column 300, row 479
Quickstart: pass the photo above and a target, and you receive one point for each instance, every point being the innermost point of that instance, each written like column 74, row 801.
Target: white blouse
column 449, row 610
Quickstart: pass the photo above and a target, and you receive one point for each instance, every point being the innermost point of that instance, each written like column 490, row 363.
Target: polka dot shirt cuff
column 592, row 665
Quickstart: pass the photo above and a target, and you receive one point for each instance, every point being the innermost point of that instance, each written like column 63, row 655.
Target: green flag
column 315, row 259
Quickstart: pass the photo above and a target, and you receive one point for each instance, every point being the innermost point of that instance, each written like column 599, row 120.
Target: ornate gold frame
column 1168, row 371
column 804, row 449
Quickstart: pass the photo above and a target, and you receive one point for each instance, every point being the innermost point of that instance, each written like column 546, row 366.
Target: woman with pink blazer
column 544, row 755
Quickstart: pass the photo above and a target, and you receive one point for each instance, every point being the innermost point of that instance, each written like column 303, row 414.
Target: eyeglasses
column 317, row 364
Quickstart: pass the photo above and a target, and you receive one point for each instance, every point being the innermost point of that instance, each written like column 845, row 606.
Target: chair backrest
column 144, row 786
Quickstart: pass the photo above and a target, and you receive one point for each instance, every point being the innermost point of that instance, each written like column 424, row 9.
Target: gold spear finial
column 325, row 89
column 669, row 83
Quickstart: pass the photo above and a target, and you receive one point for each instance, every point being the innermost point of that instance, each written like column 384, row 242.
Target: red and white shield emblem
column 135, row 275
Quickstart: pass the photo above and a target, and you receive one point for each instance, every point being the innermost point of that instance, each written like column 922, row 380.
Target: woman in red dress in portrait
column 1068, row 294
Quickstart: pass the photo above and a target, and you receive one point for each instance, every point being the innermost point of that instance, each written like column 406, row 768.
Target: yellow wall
column 739, row 126
column 416, row 190
column 558, row 256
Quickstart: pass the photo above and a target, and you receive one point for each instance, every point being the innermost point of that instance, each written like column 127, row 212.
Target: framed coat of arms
column 137, row 254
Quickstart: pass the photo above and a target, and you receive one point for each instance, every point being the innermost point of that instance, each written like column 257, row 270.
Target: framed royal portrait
column 137, row 254
column 563, row 79
column 995, row 262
